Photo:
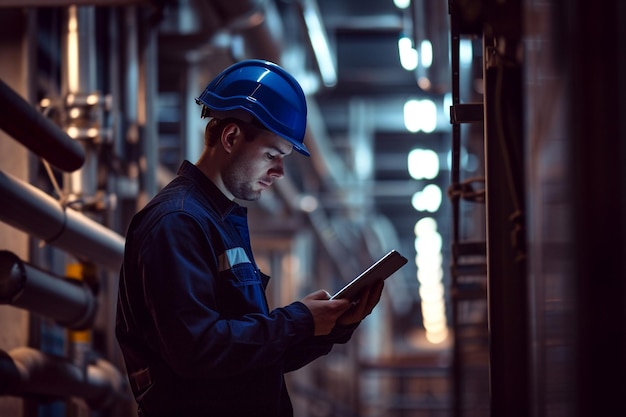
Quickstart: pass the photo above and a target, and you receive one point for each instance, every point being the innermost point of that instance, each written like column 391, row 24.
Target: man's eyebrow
column 277, row 149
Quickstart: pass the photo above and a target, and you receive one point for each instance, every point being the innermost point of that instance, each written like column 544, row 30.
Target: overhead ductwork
column 69, row 302
column 31, row 210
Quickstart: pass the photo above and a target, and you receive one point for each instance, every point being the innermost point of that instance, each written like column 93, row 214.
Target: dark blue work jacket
column 193, row 322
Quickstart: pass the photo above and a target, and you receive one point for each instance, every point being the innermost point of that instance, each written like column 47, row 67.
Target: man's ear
column 230, row 134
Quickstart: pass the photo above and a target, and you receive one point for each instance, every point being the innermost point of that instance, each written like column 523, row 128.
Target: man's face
column 254, row 165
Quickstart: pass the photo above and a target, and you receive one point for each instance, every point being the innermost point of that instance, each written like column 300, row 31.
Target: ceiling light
column 423, row 164
column 319, row 43
column 429, row 199
column 466, row 51
column 402, row 4
column 408, row 54
column 420, row 115
column 426, row 53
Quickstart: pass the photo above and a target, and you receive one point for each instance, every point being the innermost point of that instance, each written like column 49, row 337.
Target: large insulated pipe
column 38, row 214
column 32, row 129
column 70, row 303
column 26, row 371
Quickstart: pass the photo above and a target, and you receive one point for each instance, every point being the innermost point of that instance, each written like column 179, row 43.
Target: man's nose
column 278, row 170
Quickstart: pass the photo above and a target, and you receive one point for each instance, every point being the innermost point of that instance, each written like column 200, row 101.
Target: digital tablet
column 381, row 270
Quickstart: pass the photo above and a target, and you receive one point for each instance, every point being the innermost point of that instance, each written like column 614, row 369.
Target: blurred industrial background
column 483, row 139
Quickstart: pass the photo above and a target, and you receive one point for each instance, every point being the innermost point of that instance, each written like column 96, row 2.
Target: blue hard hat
column 266, row 91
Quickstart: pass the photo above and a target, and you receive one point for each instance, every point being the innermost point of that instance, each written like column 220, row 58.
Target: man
column 193, row 323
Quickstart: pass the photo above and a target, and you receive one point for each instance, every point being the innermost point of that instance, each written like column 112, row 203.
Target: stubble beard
column 237, row 181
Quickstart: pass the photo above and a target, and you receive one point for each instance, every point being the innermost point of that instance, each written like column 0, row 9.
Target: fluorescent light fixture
column 319, row 43
column 429, row 199
column 466, row 52
column 424, row 226
column 402, row 4
column 433, row 308
column 423, row 164
column 447, row 103
column 411, row 120
column 408, row 54
column 420, row 115
column 431, row 292
column 429, row 261
column 426, row 53
column 436, row 338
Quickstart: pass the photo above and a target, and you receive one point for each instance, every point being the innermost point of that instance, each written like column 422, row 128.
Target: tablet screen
column 380, row 270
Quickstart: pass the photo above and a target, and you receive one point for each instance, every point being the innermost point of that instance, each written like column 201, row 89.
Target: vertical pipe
column 504, row 185
column 457, row 375
column 80, row 45
column 78, row 72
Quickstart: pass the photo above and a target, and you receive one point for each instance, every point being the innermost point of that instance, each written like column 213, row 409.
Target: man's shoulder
column 180, row 195
column 174, row 204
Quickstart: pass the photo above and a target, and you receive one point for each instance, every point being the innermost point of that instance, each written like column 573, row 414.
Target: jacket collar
column 215, row 197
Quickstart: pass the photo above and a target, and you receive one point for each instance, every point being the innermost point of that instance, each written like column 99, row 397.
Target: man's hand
column 325, row 312
column 363, row 306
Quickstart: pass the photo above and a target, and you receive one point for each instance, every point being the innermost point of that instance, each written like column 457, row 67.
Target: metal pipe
column 38, row 214
column 70, row 304
column 26, row 371
column 82, row 104
column 33, row 130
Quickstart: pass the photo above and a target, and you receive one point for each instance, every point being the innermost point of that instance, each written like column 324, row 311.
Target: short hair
column 214, row 129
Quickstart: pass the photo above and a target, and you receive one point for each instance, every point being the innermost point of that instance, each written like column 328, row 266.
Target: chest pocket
column 245, row 274
column 235, row 264
column 240, row 285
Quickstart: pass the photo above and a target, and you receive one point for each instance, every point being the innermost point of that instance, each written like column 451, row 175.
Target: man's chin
column 250, row 196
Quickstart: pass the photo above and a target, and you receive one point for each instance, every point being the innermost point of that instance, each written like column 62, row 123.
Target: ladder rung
column 470, row 248
column 466, row 113
column 469, row 269
column 469, row 291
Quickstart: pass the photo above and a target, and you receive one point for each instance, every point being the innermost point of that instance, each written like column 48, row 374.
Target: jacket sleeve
column 178, row 270
column 313, row 347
